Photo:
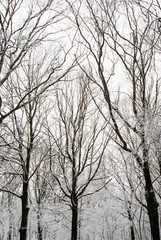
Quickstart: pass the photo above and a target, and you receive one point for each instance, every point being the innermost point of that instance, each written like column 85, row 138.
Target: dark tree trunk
column 74, row 218
column 39, row 231
column 152, row 205
column 9, row 234
column 25, row 211
column 39, row 228
column 132, row 232
column 25, row 187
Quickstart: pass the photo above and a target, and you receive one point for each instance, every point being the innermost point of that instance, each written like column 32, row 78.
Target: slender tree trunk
column 152, row 204
column 132, row 232
column 39, row 231
column 74, row 218
column 25, row 211
column 10, row 218
column 39, row 228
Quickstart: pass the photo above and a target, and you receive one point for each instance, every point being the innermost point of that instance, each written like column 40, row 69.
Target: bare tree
column 44, row 186
column 22, row 27
column 127, row 33
column 21, row 139
column 26, row 28
column 81, row 140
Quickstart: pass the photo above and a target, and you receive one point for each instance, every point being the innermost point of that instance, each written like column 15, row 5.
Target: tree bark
column 152, row 204
column 39, row 231
column 25, row 211
column 74, row 218
column 132, row 232
column 39, row 228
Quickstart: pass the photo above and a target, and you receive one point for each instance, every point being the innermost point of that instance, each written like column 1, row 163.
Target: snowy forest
column 80, row 119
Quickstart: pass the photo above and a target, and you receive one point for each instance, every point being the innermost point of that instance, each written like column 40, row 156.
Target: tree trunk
column 132, row 232
column 25, row 211
column 10, row 218
column 74, row 218
column 9, row 234
column 39, row 228
column 39, row 231
column 152, row 205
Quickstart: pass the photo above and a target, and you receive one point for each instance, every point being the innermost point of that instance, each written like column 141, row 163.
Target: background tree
column 133, row 38
column 44, row 187
column 26, row 29
column 20, row 141
column 81, row 140
column 22, row 28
